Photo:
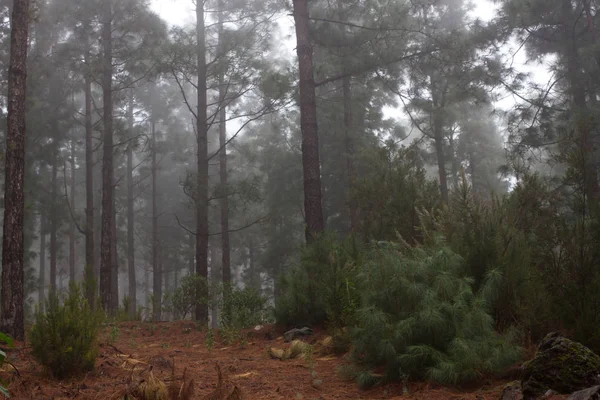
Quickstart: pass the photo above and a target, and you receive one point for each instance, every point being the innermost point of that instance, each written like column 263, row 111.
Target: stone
column 296, row 333
column 559, row 364
column 592, row 393
column 512, row 391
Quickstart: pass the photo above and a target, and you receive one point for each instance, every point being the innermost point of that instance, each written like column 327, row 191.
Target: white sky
column 182, row 12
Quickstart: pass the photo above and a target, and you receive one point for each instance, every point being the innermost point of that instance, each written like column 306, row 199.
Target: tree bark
column 214, row 279
column 130, row 216
column 12, row 318
column 114, row 273
column 106, row 247
column 72, row 226
column 224, row 200
column 349, row 142
column 54, row 212
column 42, row 277
column 201, row 311
column 192, row 260
column 156, row 272
column 313, row 210
column 90, row 265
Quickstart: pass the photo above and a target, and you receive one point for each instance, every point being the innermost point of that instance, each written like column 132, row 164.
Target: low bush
column 422, row 319
column 64, row 338
column 244, row 308
column 193, row 290
column 322, row 288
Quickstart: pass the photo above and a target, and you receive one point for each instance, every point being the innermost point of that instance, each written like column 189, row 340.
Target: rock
column 592, row 393
column 295, row 333
column 512, row 391
column 559, row 364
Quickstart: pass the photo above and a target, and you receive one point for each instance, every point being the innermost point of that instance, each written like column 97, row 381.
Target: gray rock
column 592, row 393
column 512, row 391
column 295, row 333
column 559, row 364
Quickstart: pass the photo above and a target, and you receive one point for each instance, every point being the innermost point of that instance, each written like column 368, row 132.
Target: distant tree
column 109, row 299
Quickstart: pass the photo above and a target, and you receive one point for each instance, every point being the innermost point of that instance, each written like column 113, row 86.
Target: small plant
column 188, row 344
column 3, row 359
column 210, row 339
column 114, row 334
column 165, row 345
column 230, row 334
column 64, row 339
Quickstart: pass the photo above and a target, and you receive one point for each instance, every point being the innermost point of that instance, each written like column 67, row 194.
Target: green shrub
column 245, row 308
column 64, row 339
column 323, row 287
column 3, row 359
column 422, row 319
column 192, row 290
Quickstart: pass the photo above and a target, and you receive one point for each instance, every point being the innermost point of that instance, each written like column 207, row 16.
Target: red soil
column 246, row 365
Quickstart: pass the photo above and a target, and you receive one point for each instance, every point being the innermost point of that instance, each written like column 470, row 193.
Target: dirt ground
column 128, row 354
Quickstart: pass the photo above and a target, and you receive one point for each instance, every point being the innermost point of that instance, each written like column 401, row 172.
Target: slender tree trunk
column 441, row 160
column 106, row 247
column 254, row 273
column 349, row 139
column 42, row 277
column 114, row 273
column 167, row 277
column 192, row 260
column 90, row 264
column 224, row 200
column 156, row 271
column 455, row 169
column 214, row 279
column 202, row 178
column 12, row 318
column 72, row 226
column 313, row 209
column 130, row 216
column 53, row 215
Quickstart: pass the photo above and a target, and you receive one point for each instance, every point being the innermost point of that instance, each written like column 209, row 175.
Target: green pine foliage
column 488, row 233
column 422, row 318
column 323, row 287
column 64, row 338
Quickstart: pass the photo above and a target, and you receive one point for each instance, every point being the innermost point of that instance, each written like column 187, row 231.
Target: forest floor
column 128, row 352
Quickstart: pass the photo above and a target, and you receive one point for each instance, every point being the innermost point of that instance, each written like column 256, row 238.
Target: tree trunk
column 156, row 272
column 114, row 273
column 191, row 261
column 106, row 247
column 214, row 279
column 72, row 226
column 90, row 265
column 12, row 319
column 53, row 213
column 130, row 222
column 224, row 200
column 202, row 178
column 441, row 160
column 313, row 210
column 455, row 168
column 349, row 139
column 42, row 277
column 254, row 273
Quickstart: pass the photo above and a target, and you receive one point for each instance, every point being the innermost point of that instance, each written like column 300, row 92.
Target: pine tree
column 12, row 320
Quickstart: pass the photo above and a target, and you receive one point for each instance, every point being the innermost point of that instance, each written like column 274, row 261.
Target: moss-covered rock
column 562, row 365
